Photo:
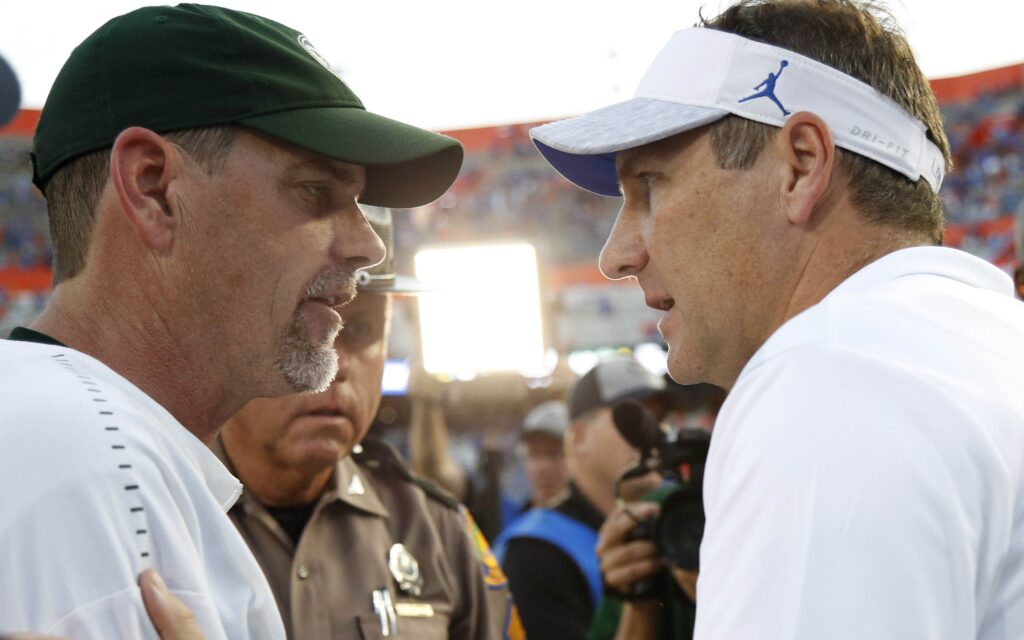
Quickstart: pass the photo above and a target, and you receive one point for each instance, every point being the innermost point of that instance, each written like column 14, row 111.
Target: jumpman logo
column 768, row 89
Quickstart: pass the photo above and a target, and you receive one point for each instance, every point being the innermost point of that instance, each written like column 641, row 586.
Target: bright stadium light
column 581, row 362
column 487, row 318
column 652, row 356
column 396, row 378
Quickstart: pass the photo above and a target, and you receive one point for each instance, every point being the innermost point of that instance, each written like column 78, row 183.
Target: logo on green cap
column 308, row 46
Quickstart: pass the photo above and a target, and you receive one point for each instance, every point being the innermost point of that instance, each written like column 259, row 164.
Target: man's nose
column 356, row 243
column 624, row 253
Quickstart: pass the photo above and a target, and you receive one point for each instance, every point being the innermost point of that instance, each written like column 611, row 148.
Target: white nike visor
column 702, row 75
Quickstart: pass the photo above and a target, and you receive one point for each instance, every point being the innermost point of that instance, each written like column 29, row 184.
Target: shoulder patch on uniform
column 494, row 577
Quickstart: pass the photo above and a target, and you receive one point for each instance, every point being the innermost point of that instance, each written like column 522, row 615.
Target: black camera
column 679, row 457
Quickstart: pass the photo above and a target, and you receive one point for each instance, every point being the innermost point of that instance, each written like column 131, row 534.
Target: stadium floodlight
column 580, row 362
column 487, row 317
column 652, row 357
column 395, row 381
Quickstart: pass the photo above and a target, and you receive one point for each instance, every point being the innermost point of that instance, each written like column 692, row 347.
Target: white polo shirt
column 97, row 483
column 865, row 475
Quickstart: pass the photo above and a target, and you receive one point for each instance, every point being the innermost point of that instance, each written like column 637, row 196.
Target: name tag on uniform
column 414, row 610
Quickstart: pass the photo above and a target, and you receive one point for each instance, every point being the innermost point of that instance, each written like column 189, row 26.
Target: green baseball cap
column 171, row 68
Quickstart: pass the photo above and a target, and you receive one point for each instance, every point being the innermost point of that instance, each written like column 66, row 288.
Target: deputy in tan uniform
column 353, row 545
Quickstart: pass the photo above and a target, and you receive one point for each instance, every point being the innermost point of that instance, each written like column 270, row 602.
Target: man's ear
column 807, row 152
column 142, row 165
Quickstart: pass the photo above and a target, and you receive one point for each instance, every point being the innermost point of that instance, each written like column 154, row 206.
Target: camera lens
column 680, row 528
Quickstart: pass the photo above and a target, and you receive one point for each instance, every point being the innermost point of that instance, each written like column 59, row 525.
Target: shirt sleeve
column 551, row 593
column 844, row 500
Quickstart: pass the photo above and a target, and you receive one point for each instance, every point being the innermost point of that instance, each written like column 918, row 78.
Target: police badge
column 405, row 570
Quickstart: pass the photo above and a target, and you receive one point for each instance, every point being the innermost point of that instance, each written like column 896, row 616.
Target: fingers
column 635, row 488
column 687, row 581
column 171, row 617
column 621, row 521
column 624, row 565
column 622, row 562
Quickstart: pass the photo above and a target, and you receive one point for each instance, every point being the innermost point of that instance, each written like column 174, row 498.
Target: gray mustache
column 332, row 281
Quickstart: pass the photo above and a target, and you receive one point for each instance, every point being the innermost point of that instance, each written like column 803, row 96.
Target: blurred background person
column 542, row 450
column 541, row 453
column 548, row 554
column 646, row 594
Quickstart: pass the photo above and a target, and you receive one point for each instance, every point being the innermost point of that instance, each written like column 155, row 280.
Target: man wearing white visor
column 780, row 168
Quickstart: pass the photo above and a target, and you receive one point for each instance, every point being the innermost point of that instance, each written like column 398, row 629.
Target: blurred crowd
column 985, row 135
column 24, row 240
column 24, row 237
column 507, row 192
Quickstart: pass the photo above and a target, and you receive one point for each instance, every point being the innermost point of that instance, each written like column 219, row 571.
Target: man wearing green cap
column 202, row 169
column 334, row 515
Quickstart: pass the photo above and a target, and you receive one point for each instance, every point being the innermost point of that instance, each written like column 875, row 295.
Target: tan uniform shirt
column 347, row 579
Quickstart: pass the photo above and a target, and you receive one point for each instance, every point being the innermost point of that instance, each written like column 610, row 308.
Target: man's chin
column 681, row 367
column 309, row 368
column 323, row 453
column 316, row 378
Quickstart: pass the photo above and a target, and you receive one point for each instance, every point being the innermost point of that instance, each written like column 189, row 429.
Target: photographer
column 647, row 545
column 626, row 562
column 548, row 554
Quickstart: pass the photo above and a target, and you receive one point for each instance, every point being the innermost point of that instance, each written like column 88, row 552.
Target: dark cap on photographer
column 611, row 381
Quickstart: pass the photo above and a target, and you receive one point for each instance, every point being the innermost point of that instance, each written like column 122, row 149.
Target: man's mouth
column 332, row 288
column 334, row 302
column 326, row 412
column 661, row 303
column 327, row 408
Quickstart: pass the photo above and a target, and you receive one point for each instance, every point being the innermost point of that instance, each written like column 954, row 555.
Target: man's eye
column 354, row 329
column 315, row 190
column 315, row 193
column 357, row 333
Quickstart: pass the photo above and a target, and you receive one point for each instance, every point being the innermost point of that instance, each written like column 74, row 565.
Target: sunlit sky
column 450, row 64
